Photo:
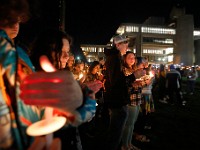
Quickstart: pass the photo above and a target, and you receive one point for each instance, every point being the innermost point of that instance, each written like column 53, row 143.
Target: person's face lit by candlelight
column 12, row 31
column 63, row 56
column 70, row 61
column 82, row 66
column 141, row 66
column 53, row 43
column 122, row 47
column 96, row 69
column 130, row 59
column 65, row 53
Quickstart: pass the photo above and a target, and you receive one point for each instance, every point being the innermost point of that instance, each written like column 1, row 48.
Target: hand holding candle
column 47, row 89
column 94, row 85
column 53, row 89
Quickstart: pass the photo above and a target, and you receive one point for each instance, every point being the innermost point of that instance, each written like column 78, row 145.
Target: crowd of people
column 23, row 100
column 111, row 92
column 170, row 83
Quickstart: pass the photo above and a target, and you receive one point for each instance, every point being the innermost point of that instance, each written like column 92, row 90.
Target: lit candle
column 80, row 75
column 51, row 123
column 151, row 74
column 46, row 126
column 48, row 114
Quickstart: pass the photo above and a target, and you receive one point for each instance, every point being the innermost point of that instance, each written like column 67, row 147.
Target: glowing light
column 46, row 65
column 139, row 79
column 80, row 76
column 42, row 81
column 50, row 123
column 151, row 74
column 46, row 126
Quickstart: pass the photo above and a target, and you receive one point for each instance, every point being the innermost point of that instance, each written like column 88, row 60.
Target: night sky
column 95, row 21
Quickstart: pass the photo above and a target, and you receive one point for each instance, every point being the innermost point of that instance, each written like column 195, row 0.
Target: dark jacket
column 115, row 85
column 173, row 79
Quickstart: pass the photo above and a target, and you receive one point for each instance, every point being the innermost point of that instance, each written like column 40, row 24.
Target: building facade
column 178, row 43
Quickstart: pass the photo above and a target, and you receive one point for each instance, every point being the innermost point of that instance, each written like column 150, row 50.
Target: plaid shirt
column 133, row 91
column 135, row 95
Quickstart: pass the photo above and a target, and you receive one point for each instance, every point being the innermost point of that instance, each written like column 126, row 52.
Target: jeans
column 129, row 127
column 118, row 118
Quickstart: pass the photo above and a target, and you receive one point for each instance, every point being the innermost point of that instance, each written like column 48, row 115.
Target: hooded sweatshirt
column 115, row 85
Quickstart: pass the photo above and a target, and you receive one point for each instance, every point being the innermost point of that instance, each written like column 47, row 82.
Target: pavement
column 174, row 127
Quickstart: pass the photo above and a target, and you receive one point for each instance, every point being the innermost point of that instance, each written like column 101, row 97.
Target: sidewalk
column 175, row 127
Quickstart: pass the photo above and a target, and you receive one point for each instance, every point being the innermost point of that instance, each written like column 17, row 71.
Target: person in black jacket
column 116, row 95
column 173, row 85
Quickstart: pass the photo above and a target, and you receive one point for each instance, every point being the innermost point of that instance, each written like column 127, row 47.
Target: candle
column 48, row 114
column 46, row 126
column 50, row 123
column 80, row 76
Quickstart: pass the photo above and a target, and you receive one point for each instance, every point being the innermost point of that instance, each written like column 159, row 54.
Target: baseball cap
column 120, row 38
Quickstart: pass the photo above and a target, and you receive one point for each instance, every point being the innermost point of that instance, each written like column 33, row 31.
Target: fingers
column 40, row 144
column 53, row 77
column 95, row 85
column 56, row 144
column 54, row 89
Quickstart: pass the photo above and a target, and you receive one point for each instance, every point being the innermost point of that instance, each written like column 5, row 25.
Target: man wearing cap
column 116, row 95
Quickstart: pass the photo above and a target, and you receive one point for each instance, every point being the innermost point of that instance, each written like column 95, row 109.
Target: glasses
column 124, row 42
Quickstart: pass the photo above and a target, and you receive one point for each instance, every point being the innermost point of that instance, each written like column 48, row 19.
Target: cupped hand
column 54, row 89
column 94, row 85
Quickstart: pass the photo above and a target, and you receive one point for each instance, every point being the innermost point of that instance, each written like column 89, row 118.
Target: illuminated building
column 178, row 42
